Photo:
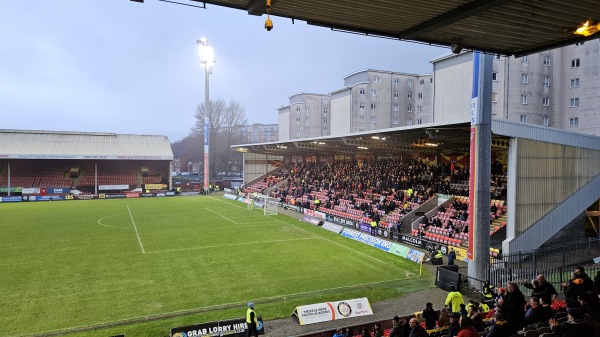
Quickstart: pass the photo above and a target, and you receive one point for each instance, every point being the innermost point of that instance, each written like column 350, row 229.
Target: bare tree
column 225, row 123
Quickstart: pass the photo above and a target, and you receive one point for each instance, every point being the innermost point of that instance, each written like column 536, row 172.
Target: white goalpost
column 271, row 206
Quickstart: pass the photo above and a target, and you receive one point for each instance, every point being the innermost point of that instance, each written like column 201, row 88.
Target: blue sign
column 367, row 239
column 11, row 199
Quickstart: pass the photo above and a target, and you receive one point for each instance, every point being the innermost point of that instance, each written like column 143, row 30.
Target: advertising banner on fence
column 311, row 220
column 12, row 189
column 332, row 227
column 314, row 214
column 399, row 250
column 229, row 196
column 112, row 187
column 367, row 239
column 331, row 311
column 31, row 190
column 155, row 186
column 232, row 328
column 10, row 199
column 47, row 197
column 56, row 190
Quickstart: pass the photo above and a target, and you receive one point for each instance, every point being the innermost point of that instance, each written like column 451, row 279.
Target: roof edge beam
column 259, row 7
column 450, row 17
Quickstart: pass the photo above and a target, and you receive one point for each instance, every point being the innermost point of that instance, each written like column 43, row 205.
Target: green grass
column 80, row 264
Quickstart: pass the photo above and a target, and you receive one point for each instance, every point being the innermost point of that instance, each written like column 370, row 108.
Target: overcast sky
column 125, row 67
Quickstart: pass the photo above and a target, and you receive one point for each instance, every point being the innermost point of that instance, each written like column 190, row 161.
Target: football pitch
column 141, row 266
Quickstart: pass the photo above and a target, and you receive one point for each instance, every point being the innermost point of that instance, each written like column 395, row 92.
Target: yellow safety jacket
column 249, row 317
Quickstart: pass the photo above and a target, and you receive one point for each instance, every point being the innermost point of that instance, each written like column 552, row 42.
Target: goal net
column 271, row 206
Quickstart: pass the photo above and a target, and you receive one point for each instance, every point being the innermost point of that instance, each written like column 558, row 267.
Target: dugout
column 62, row 163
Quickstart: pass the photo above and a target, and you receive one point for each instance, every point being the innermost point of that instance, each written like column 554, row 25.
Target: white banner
column 331, row 311
column 31, row 190
column 112, row 187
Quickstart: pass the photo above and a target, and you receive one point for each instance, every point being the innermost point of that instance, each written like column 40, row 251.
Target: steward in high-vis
column 251, row 320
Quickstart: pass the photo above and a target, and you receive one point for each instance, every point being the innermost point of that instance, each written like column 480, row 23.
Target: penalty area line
column 136, row 231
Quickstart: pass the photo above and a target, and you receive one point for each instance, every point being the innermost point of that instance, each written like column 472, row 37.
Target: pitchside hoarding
column 232, row 328
column 331, row 311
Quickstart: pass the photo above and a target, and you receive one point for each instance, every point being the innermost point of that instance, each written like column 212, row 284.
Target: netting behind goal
column 271, row 205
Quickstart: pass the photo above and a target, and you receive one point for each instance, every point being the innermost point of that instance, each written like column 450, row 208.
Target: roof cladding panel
column 509, row 27
column 24, row 144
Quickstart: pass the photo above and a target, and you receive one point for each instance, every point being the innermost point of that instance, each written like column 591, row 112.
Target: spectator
column 349, row 333
column 454, row 299
column 430, row 316
column 589, row 307
column 466, row 328
column 575, row 326
column 597, row 283
column 463, row 310
column 535, row 313
column 513, row 306
column 365, row 332
column 475, row 316
column 444, row 319
column 454, row 324
column 396, row 328
column 500, row 296
column 377, row 331
column 545, row 304
column 575, row 286
column 501, row 327
column 542, row 288
column 451, row 256
column 339, row 333
column 416, row 330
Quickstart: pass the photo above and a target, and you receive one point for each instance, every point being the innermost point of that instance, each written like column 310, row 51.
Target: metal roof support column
column 480, row 168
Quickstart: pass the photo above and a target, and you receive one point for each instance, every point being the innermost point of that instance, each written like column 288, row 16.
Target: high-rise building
column 376, row 99
column 308, row 115
column 558, row 88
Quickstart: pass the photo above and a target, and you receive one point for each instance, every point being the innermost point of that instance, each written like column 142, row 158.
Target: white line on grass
column 136, row 231
column 204, row 309
column 229, row 245
column 235, row 222
column 110, row 216
column 337, row 243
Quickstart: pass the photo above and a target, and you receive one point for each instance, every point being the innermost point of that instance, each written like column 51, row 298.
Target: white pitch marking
column 321, row 237
column 110, row 216
column 136, row 231
column 217, row 306
column 229, row 245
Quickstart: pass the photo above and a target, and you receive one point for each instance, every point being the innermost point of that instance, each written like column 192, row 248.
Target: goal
column 271, row 206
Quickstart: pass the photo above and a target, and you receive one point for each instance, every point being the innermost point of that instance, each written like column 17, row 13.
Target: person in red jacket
column 466, row 328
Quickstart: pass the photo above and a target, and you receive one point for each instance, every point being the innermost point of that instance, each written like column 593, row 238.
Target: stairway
column 498, row 223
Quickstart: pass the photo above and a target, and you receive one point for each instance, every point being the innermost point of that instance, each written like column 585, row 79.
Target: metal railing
column 556, row 263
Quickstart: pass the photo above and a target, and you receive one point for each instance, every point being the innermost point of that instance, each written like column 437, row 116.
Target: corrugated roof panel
column 80, row 145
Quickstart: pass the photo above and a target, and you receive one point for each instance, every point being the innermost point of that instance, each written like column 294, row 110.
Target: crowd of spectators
column 374, row 188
